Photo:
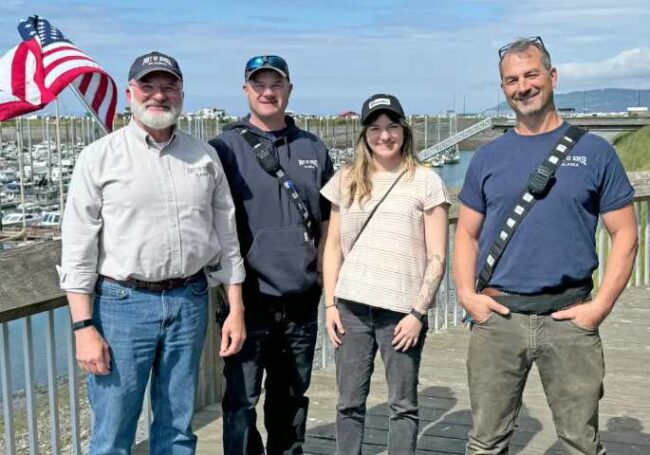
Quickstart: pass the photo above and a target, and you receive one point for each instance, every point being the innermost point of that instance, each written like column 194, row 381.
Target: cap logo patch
column 379, row 102
column 156, row 59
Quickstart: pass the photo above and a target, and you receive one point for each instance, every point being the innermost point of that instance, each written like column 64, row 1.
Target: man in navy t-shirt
column 536, row 307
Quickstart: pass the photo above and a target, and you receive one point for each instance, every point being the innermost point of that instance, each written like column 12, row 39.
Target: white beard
column 158, row 120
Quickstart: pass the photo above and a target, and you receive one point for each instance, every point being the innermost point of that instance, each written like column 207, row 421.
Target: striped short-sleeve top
column 386, row 266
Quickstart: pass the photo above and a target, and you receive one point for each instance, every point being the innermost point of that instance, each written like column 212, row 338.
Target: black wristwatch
column 82, row 324
column 422, row 317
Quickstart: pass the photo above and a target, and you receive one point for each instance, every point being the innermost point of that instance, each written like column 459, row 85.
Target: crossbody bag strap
column 270, row 163
column 539, row 184
column 374, row 209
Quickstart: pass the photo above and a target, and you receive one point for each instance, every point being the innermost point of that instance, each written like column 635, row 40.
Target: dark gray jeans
column 570, row 361
column 281, row 340
column 368, row 329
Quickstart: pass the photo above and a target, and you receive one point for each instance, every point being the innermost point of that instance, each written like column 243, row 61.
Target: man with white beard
column 149, row 225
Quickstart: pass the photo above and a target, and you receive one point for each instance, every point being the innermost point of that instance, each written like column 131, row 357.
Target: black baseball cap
column 154, row 61
column 380, row 102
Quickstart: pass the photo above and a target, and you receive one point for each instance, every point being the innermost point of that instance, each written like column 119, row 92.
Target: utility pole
column 426, row 131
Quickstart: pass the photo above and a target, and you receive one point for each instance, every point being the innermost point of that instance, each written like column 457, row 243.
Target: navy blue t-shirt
column 555, row 244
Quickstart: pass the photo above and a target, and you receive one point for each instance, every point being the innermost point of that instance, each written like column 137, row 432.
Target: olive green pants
column 569, row 358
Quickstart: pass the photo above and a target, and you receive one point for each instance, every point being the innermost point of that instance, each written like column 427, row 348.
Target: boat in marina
column 50, row 220
column 8, row 175
column 15, row 220
column 7, row 196
column 437, row 161
column 452, row 155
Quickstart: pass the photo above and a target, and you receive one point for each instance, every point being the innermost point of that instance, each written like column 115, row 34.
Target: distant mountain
column 590, row 101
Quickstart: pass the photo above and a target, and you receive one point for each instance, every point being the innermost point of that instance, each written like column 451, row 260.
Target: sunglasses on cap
column 271, row 62
column 534, row 40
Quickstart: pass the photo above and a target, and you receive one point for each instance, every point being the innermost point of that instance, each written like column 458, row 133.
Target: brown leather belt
column 158, row 286
column 493, row 292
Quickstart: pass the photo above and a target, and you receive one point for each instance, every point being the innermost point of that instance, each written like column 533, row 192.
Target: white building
column 210, row 112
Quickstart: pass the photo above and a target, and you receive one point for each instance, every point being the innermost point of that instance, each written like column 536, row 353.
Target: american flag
column 33, row 73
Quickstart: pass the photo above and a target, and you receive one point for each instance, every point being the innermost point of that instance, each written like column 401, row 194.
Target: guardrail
column 53, row 418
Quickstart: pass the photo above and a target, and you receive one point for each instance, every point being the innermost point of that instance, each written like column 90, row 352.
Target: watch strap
column 82, row 324
column 422, row 317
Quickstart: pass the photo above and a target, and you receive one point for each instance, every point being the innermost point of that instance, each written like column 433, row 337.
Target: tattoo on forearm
column 430, row 283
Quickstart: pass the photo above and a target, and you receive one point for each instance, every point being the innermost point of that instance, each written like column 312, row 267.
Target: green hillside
column 634, row 149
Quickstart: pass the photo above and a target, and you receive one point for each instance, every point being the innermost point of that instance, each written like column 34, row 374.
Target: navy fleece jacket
column 279, row 261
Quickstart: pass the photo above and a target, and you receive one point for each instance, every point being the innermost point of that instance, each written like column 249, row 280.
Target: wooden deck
column 444, row 403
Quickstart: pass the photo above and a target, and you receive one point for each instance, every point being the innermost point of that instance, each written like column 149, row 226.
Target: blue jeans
column 157, row 333
column 281, row 340
column 368, row 329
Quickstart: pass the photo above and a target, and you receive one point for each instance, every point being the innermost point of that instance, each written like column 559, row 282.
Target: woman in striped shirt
column 381, row 271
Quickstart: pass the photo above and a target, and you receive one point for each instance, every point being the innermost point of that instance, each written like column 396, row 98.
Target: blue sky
column 433, row 54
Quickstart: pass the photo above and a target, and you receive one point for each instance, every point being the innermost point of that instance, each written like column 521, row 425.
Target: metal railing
column 51, row 413
column 448, row 313
column 53, row 417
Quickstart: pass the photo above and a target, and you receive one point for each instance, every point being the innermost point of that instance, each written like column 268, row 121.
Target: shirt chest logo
column 205, row 170
column 308, row 164
column 575, row 161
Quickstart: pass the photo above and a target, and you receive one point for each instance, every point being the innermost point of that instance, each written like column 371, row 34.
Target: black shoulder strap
column 539, row 184
column 374, row 209
column 270, row 163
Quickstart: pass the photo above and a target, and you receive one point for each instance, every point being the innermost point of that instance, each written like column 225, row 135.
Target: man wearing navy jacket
column 281, row 291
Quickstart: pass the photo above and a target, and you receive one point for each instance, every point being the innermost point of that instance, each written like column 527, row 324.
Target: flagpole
column 58, row 148
column 88, row 108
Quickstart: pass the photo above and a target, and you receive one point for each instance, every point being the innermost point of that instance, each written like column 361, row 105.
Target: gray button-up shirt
column 139, row 210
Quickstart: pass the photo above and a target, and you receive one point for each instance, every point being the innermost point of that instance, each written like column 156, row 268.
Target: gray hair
column 522, row 45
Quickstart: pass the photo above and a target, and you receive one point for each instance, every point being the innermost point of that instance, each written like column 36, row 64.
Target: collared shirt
column 148, row 211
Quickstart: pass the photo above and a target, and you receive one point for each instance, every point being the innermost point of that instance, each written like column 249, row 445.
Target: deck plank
column 444, row 402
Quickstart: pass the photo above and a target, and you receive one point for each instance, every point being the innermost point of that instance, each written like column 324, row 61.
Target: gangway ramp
column 430, row 152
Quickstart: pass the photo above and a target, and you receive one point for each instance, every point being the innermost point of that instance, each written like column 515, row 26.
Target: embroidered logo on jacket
column 308, row 164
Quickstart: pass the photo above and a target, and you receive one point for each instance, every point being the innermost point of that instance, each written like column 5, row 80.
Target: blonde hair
column 359, row 173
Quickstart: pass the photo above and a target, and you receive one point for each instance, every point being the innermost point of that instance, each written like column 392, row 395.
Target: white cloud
column 629, row 67
column 432, row 54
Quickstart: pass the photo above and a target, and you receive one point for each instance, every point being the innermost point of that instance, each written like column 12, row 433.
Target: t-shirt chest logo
column 205, row 170
column 308, row 164
column 575, row 161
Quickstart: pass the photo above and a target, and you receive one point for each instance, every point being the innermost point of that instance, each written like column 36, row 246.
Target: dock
column 445, row 416
column 51, row 414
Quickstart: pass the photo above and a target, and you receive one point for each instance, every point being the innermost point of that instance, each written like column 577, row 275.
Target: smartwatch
column 82, row 324
column 422, row 317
